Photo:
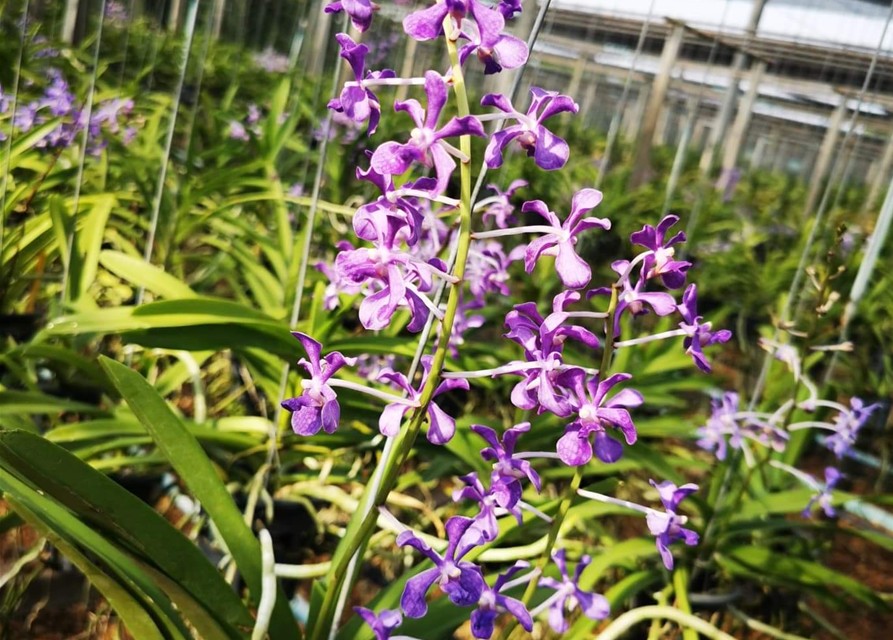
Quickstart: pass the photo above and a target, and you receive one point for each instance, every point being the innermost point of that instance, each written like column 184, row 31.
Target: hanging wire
column 15, row 101
column 168, row 142
column 85, row 139
column 614, row 129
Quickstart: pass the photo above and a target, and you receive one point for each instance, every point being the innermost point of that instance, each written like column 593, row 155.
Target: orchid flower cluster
column 406, row 251
column 731, row 427
column 58, row 103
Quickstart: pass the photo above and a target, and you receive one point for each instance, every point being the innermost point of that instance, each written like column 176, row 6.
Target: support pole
column 742, row 121
column 642, row 163
column 880, row 178
column 69, row 20
column 632, row 118
column 217, row 24
column 826, row 155
column 320, row 27
column 621, row 104
column 173, row 18
column 573, row 87
column 728, row 104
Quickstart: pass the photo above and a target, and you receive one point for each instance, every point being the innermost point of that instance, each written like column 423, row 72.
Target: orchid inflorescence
column 407, row 251
column 731, row 427
column 59, row 105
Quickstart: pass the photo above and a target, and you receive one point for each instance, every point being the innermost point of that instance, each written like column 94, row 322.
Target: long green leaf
column 185, row 454
column 138, row 621
column 143, row 274
column 111, row 508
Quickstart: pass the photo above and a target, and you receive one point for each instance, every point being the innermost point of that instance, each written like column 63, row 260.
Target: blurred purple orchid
column 357, row 101
column 317, row 407
column 572, row 269
column 360, row 12
column 847, row 426
column 427, row 144
column 661, row 262
column 492, row 603
column 824, row 495
column 594, row 413
column 499, row 206
column 508, row 8
column 441, row 427
column 721, row 423
column 667, row 526
column 461, row 581
column 569, row 596
column 548, row 150
column 237, row 131
column 383, row 624
column 698, row 334
column 486, row 270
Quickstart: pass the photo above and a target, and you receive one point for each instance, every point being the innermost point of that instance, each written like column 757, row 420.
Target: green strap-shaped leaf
column 138, row 621
column 112, row 509
column 143, row 274
column 76, row 532
column 185, row 454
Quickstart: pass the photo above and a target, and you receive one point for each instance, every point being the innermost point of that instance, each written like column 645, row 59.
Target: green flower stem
column 571, row 491
column 363, row 524
column 680, row 586
column 686, row 620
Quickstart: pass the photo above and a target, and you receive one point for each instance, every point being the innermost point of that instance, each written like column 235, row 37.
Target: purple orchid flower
column 317, row 407
column 486, row 269
column 721, row 423
column 631, row 297
column 337, row 285
column 668, row 526
column 568, row 595
column 358, row 102
column 824, row 496
column 498, row 496
column 441, row 427
column 461, row 581
column 404, row 209
column 594, row 413
column 497, row 50
column 543, row 340
column 360, row 12
column 57, row 96
column 698, row 334
column 492, row 603
column 427, row 143
column 508, row 8
column 661, row 263
column 549, row 151
column 403, row 278
column 848, row 426
column 383, row 624
column 237, row 131
column 499, row 206
column 507, row 470
column 572, row 269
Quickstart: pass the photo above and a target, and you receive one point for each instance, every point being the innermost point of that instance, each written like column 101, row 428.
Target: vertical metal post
column 826, row 155
column 880, row 179
column 621, row 104
column 742, row 121
column 642, row 162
